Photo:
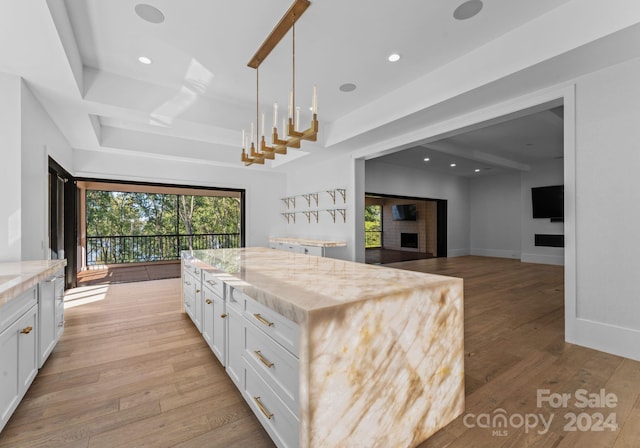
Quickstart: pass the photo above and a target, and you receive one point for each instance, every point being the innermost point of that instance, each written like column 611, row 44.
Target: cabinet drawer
column 192, row 268
column 274, row 415
column 283, row 330
column 214, row 283
column 16, row 307
column 274, row 364
column 312, row 250
column 235, row 299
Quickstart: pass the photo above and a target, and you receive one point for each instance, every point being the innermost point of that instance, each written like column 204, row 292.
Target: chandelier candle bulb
column 275, row 115
column 315, row 100
column 291, row 104
column 251, row 133
column 297, row 118
column 284, row 128
column 262, row 134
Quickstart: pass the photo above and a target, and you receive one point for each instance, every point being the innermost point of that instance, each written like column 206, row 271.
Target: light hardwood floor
column 131, row 370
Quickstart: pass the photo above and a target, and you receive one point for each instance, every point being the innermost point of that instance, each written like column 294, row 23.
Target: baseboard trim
column 606, row 338
column 543, row 259
column 496, row 253
column 458, row 252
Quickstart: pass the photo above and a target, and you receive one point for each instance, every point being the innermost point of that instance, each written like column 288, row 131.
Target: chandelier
column 258, row 150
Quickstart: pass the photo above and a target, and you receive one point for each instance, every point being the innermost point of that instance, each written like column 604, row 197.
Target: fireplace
column 409, row 240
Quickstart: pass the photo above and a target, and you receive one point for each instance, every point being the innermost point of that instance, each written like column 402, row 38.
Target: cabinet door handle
column 264, row 410
column 197, row 291
column 264, row 360
column 223, row 315
column 211, row 282
column 61, row 324
column 26, row 330
column 263, row 320
column 208, row 301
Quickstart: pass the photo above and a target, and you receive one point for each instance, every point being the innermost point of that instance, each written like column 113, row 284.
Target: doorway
column 62, row 203
column 402, row 228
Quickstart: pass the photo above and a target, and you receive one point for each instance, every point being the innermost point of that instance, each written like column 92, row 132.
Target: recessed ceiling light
column 426, row 159
column 394, row 57
column 348, row 87
column 149, row 13
column 468, row 9
column 477, row 170
column 144, row 60
column 453, row 165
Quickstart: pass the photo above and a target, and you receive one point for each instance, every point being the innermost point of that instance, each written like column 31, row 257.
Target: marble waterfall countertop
column 16, row 277
column 308, row 242
column 296, row 285
column 381, row 359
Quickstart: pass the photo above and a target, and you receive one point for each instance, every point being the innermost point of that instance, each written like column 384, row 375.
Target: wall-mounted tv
column 404, row 212
column 548, row 202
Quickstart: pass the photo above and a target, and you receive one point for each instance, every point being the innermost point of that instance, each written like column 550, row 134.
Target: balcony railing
column 115, row 249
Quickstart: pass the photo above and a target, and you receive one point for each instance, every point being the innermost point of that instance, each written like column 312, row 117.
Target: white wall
column 542, row 175
column 384, row 178
column 607, row 163
column 40, row 138
column 495, row 213
column 263, row 189
column 337, row 173
column 501, row 215
column 10, row 168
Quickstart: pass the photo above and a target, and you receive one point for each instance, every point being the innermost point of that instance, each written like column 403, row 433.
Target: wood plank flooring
column 132, row 371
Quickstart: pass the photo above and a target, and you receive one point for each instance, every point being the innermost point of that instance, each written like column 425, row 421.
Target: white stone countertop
column 307, row 242
column 16, row 277
column 296, row 285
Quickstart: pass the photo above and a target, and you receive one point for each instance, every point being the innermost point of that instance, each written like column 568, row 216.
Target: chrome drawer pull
column 208, row 301
column 211, row 282
column 26, row 330
column 266, row 362
column 263, row 408
column 263, row 320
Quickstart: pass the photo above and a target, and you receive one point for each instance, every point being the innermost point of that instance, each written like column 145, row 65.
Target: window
column 373, row 226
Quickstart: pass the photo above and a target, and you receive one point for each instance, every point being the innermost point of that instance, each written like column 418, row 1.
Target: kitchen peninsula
column 329, row 352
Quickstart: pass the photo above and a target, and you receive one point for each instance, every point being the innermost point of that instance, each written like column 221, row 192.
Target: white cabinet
column 235, row 341
column 192, row 290
column 214, row 324
column 50, row 314
column 218, row 345
column 257, row 346
column 18, row 350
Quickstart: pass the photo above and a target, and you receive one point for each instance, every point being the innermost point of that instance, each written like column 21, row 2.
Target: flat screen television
column 548, row 202
column 404, row 212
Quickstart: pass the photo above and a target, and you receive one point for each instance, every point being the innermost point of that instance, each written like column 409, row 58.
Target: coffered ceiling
column 81, row 59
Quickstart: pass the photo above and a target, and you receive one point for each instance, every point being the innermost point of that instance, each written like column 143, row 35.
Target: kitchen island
column 333, row 353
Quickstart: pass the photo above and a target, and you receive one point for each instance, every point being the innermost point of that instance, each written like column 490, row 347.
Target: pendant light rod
column 286, row 22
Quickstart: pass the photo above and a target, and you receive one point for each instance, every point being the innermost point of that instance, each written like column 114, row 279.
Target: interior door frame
column 69, row 220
